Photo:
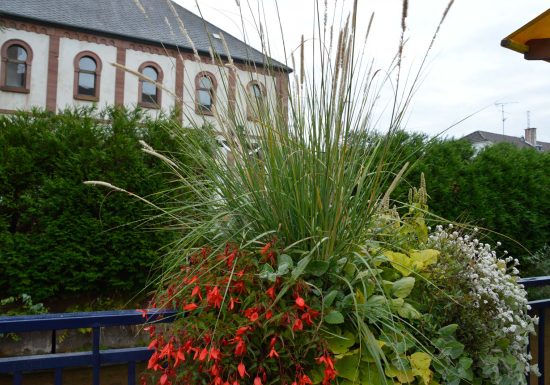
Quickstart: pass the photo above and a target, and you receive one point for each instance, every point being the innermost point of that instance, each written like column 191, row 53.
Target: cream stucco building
column 61, row 53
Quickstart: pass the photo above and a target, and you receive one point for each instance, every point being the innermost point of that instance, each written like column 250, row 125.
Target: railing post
column 58, row 376
column 17, row 378
column 54, row 341
column 542, row 316
column 95, row 351
column 131, row 373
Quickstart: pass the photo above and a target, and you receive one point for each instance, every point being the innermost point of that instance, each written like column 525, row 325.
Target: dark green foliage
column 60, row 238
column 504, row 189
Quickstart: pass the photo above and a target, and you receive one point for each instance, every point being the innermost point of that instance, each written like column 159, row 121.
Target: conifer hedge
column 60, row 238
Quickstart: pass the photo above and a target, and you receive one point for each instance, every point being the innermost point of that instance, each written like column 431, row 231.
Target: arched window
column 205, row 93
column 16, row 66
column 149, row 93
column 256, row 100
column 87, row 76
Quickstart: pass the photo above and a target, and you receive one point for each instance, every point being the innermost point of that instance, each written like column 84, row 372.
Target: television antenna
column 501, row 105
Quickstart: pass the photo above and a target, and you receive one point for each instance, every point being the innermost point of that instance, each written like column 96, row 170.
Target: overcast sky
column 468, row 70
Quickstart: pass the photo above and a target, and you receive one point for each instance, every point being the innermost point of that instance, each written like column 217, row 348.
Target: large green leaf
column 317, row 268
column 334, row 317
column 340, row 344
column 403, row 287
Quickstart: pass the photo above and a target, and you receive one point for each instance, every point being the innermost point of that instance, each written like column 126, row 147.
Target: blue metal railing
column 539, row 308
column 94, row 358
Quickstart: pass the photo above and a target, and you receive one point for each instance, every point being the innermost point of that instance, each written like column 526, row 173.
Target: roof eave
column 280, row 67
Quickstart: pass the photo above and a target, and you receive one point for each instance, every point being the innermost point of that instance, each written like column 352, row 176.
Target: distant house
column 58, row 53
column 482, row 139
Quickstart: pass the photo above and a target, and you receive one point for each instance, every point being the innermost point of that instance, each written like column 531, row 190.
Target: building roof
column 153, row 21
column 485, row 136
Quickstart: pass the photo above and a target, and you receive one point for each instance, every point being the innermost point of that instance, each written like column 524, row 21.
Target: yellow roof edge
column 529, row 24
column 514, row 46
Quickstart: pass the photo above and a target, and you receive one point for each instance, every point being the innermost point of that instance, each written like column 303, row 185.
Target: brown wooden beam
column 539, row 49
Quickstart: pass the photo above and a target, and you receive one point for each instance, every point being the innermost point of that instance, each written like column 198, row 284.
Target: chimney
column 531, row 136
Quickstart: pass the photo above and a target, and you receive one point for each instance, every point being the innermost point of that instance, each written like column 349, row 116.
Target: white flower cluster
column 493, row 286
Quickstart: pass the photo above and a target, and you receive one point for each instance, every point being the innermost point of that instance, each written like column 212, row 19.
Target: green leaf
column 284, row 264
column 348, row 367
column 329, row 298
column 370, row 375
column 403, row 287
column 408, row 311
column 300, row 267
column 448, row 330
column 268, row 273
column 334, row 317
column 317, row 268
column 340, row 344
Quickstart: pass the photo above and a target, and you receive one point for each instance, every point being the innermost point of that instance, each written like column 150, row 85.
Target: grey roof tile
column 145, row 20
column 485, row 136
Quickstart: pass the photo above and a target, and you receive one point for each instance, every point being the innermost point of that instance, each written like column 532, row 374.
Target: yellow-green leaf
column 424, row 258
column 400, row 262
column 420, row 360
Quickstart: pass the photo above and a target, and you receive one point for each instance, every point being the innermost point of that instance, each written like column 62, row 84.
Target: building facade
column 149, row 53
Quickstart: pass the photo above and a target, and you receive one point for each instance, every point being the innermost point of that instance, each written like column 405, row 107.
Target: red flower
column 203, row 354
column 273, row 353
column 242, row 330
column 196, row 291
column 252, row 314
column 240, row 349
column 298, row 325
column 190, row 307
column 242, row 370
column 214, row 298
column 264, row 250
column 214, row 354
column 300, row 302
column 257, row 381
column 268, row 314
column 271, row 292
column 305, row 380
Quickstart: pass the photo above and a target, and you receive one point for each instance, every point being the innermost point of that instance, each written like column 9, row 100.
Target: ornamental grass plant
column 292, row 267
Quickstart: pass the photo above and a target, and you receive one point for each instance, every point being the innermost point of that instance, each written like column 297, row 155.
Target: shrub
column 60, row 238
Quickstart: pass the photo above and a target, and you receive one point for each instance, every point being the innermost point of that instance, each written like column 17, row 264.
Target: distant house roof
column 154, row 21
column 485, row 136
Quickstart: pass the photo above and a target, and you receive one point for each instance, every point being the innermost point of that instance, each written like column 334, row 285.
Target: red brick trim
column 7, row 111
column 282, row 94
column 179, row 84
column 120, row 76
column 160, row 77
column 199, row 110
column 232, row 92
column 28, row 66
column 76, row 95
column 251, row 110
column 53, row 72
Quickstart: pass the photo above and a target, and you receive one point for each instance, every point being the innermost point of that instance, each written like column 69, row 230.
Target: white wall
column 134, row 59
column 40, row 45
column 68, row 49
column 190, row 71
column 245, row 77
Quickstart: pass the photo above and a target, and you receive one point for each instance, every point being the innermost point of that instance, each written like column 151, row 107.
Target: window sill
column 200, row 111
column 152, row 106
column 86, row 98
column 18, row 90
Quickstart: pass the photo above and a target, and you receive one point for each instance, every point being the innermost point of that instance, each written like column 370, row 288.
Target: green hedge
column 60, row 238
column 503, row 188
